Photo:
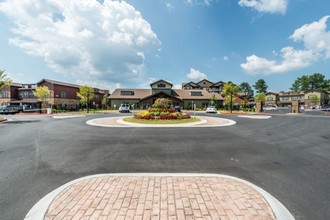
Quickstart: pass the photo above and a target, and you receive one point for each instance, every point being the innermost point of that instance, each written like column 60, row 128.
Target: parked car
column 326, row 108
column 270, row 108
column 124, row 108
column 177, row 108
column 211, row 109
column 6, row 110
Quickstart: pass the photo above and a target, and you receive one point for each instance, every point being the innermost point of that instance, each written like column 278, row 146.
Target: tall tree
column 261, row 86
column 231, row 90
column 316, row 81
column 86, row 94
column 4, row 80
column 312, row 82
column 43, row 94
column 247, row 90
column 301, row 84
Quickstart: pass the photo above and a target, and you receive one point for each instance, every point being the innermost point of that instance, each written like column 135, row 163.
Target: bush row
column 162, row 114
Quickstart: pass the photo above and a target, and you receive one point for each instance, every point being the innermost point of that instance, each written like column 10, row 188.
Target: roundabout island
column 203, row 121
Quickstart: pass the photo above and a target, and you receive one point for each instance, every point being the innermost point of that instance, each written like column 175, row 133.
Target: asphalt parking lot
column 287, row 155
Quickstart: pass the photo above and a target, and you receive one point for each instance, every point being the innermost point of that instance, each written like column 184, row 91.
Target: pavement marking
column 68, row 116
column 39, row 210
column 255, row 116
column 118, row 122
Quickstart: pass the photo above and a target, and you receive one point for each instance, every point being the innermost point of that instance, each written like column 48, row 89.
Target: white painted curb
column 255, row 116
column 68, row 116
column 39, row 210
column 123, row 124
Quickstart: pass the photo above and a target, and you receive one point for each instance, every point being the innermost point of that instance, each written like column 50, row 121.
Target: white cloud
column 316, row 40
column 177, row 86
column 196, row 75
column 314, row 36
column 169, row 6
column 225, row 58
column 199, row 2
column 102, row 85
column 85, row 39
column 267, row 6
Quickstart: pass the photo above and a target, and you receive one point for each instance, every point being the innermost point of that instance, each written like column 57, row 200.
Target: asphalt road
column 288, row 156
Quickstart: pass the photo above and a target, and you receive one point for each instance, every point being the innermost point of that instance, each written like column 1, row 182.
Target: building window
column 5, row 94
column 270, row 99
column 26, row 95
column 96, row 97
column 161, row 85
column 295, row 97
column 196, row 93
column 126, row 92
column 63, row 94
column 285, row 98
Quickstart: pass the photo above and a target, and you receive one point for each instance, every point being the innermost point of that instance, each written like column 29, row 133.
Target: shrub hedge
column 161, row 114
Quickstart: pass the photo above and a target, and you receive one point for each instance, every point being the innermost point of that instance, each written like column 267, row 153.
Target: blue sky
column 129, row 44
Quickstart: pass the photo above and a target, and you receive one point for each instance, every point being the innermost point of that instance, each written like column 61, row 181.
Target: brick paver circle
column 159, row 197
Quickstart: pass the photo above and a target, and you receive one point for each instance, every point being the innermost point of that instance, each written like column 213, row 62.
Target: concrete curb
column 118, row 122
column 255, row 116
column 39, row 210
column 68, row 116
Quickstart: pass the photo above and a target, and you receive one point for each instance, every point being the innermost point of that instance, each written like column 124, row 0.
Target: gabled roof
column 190, row 83
column 58, row 83
column 161, row 80
column 16, row 84
column 162, row 93
column 180, row 94
column 138, row 94
column 205, row 95
column 271, row 93
column 218, row 83
column 205, row 80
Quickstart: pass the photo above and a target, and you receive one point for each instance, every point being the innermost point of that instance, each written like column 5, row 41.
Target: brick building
column 62, row 95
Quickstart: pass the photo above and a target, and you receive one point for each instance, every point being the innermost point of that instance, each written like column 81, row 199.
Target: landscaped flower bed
column 161, row 114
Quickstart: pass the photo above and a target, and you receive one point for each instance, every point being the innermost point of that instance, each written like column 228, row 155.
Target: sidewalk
column 158, row 196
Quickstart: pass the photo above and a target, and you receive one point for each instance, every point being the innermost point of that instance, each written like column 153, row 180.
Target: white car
column 124, row 108
column 270, row 108
column 211, row 109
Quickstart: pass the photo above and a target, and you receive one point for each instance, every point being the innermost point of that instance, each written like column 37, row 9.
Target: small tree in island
column 86, row 93
column 161, row 110
column 162, row 103
column 43, row 94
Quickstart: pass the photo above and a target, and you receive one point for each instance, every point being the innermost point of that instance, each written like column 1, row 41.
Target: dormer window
column 127, row 93
column 196, row 93
column 161, row 85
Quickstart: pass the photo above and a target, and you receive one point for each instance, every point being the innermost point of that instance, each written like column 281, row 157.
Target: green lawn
column 141, row 121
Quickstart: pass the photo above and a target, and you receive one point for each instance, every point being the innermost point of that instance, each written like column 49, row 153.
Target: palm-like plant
column 231, row 90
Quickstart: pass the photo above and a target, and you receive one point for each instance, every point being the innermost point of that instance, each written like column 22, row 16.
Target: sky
column 129, row 44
